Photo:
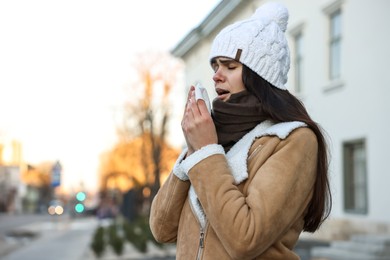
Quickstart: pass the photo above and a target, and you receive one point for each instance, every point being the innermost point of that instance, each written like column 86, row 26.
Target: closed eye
column 227, row 63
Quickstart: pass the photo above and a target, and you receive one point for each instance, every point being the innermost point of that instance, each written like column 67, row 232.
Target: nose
column 218, row 77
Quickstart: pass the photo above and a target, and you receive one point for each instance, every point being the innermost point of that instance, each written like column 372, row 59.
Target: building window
column 298, row 62
column 335, row 45
column 355, row 177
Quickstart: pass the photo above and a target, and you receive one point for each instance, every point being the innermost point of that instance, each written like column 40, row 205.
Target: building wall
column 351, row 108
column 10, row 199
column 355, row 106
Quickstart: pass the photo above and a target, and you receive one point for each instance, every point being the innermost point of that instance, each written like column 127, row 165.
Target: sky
column 64, row 66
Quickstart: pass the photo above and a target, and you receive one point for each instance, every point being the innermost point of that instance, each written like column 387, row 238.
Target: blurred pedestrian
column 254, row 174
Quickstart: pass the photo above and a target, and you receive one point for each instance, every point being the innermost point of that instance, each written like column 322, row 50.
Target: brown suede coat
column 260, row 218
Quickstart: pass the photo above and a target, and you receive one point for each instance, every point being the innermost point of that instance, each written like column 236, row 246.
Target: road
column 61, row 238
column 9, row 222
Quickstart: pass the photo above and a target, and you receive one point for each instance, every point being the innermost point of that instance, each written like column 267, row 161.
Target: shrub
column 115, row 241
column 98, row 243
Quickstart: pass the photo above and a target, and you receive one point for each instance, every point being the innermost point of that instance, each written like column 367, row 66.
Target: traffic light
column 79, row 208
column 80, row 197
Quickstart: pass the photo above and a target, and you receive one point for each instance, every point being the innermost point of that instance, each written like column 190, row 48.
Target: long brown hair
column 281, row 106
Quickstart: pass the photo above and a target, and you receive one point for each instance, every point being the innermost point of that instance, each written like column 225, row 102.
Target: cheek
column 238, row 84
column 241, row 86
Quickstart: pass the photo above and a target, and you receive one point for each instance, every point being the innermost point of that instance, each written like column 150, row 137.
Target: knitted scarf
column 236, row 117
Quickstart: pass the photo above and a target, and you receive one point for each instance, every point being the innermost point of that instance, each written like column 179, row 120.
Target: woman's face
column 227, row 77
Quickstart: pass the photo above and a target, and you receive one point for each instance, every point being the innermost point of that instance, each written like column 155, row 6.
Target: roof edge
column 208, row 25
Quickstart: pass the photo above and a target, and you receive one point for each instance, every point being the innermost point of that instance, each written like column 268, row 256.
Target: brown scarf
column 236, row 117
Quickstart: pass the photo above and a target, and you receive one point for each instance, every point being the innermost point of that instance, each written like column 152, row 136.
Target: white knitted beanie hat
column 259, row 43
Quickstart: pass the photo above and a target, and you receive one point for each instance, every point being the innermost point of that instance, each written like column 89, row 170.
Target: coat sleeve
column 277, row 196
column 166, row 209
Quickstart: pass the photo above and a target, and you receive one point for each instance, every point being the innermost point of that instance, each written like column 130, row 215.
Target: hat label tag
column 238, row 55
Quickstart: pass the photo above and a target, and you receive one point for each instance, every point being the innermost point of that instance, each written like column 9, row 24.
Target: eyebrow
column 226, row 61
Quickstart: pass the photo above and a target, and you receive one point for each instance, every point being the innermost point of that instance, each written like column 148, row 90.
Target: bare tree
column 148, row 110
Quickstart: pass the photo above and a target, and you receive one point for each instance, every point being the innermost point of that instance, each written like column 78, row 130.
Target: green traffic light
column 79, row 208
column 80, row 196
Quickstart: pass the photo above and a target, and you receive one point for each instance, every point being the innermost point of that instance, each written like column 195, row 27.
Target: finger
column 190, row 93
column 202, row 107
column 193, row 107
column 188, row 115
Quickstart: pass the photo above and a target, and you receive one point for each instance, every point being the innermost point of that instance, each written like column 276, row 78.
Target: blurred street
column 44, row 237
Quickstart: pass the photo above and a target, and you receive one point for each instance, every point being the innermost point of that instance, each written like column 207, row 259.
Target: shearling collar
column 237, row 155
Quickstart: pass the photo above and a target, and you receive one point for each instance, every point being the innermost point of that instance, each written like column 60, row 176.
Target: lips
column 221, row 92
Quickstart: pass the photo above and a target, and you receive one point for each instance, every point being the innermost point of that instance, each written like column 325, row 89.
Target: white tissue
column 201, row 93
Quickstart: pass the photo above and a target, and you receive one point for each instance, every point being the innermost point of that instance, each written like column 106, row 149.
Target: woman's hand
column 197, row 125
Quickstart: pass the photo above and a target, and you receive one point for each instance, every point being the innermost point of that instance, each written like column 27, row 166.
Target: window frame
column 328, row 11
column 335, row 45
column 355, row 179
column 298, row 58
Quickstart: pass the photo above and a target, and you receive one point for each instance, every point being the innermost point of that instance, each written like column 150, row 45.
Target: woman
column 254, row 174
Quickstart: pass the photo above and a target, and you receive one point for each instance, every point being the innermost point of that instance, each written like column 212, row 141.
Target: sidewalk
column 131, row 253
column 21, row 236
column 7, row 247
column 25, row 234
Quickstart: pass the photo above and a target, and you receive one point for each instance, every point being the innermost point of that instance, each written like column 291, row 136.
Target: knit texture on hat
column 262, row 42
